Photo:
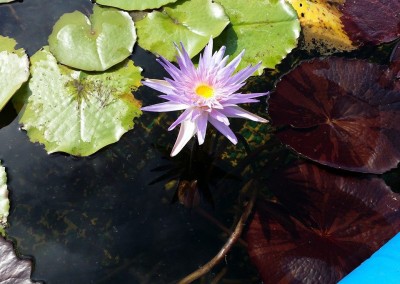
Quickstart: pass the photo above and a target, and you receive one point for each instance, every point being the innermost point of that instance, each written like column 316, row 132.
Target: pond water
column 97, row 219
column 112, row 217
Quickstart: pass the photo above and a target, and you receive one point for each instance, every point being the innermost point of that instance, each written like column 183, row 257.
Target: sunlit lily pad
column 267, row 30
column 190, row 22
column 14, row 69
column 131, row 5
column 6, row 1
column 77, row 112
column 372, row 21
column 12, row 269
column 95, row 43
column 341, row 113
column 321, row 26
column 4, row 201
column 348, row 219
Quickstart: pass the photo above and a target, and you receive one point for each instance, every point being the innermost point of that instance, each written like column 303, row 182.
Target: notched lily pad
column 12, row 269
column 95, row 43
column 349, row 218
column 76, row 112
column 14, row 69
column 4, row 201
column 190, row 22
column 267, row 30
column 135, row 5
column 341, row 113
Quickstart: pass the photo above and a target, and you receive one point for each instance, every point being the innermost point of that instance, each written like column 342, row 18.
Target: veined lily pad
column 77, row 112
column 95, row 43
column 13, row 269
column 267, row 30
column 190, row 22
column 14, row 69
column 4, row 201
column 348, row 218
column 131, row 5
column 340, row 112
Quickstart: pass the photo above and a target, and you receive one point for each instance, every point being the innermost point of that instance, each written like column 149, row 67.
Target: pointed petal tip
column 186, row 132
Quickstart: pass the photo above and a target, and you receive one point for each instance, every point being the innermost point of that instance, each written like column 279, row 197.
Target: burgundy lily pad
column 13, row 269
column 349, row 218
column 395, row 56
column 374, row 21
column 340, row 112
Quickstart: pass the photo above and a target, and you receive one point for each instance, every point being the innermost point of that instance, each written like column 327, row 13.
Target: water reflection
column 97, row 219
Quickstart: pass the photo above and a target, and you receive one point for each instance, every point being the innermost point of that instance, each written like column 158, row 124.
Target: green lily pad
column 95, row 43
column 76, row 112
column 6, row 1
column 267, row 30
column 135, row 5
column 14, row 69
column 4, row 201
column 190, row 22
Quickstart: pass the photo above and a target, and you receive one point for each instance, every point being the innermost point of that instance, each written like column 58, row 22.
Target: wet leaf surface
column 95, row 43
column 340, row 221
column 77, row 112
column 130, row 5
column 12, row 269
column 342, row 113
column 190, row 22
column 14, row 69
column 267, row 30
column 374, row 21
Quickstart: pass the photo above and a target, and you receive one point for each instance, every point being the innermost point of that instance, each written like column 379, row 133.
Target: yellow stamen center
column 204, row 91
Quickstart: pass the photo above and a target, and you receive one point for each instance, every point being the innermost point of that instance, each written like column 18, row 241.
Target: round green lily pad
column 77, row 112
column 95, row 43
column 14, row 69
column 4, row 201
column 190, row 22
column 135, row 5
column 267, row 30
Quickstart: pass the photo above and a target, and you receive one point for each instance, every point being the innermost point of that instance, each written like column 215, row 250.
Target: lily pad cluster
column 70, row 109
column 268, row 30
column 343, row 115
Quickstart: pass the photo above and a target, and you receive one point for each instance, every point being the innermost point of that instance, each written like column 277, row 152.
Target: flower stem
column 229, row 243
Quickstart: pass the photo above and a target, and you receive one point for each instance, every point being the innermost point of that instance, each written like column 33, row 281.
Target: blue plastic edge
column 382, row 267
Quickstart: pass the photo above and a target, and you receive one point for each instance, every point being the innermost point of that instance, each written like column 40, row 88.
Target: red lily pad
column 395, row 56
column 342, row 113
column 374, row 21
column 349, row 218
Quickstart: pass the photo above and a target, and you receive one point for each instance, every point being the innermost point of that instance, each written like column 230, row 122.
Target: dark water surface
column 97, row 219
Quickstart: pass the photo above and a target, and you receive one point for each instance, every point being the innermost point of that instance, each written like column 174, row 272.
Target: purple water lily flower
column 207, row 93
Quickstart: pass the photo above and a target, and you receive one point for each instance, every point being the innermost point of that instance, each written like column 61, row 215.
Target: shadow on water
column 97, row 219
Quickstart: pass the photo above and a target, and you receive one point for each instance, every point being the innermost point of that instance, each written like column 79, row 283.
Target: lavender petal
column 186, row 132
column 224, row 129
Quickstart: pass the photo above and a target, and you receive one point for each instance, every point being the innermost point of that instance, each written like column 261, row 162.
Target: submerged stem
column 229, row 243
